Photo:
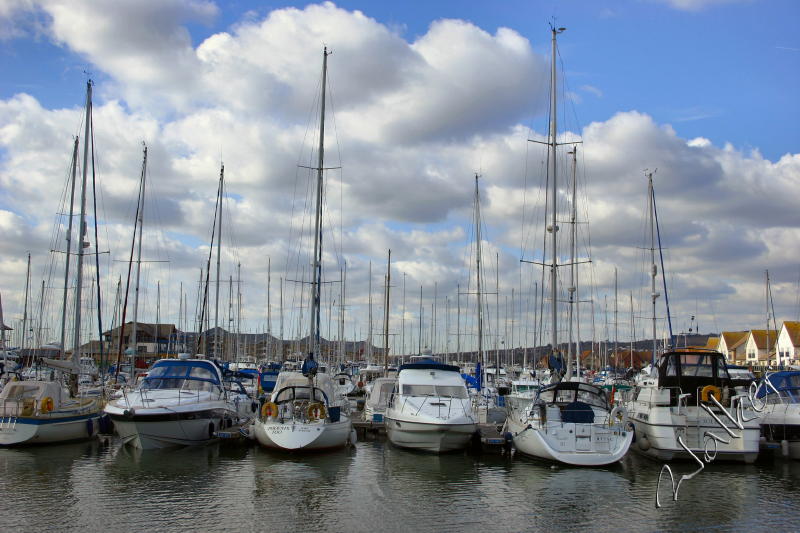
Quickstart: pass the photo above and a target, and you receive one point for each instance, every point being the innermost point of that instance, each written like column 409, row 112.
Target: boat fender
column 89, row 427
column 46, row 405
column 128, row 413
column 211, row 430
column 104, row 425
column 708, row 390
column 644, row 442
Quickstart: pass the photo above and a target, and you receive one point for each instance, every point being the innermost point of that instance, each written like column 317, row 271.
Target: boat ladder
column 8, row 423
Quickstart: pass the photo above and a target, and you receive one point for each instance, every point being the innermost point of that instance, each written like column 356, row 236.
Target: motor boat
column 430, row 409
column 180, row 402
column 378, row 399
column 777, row 400
column 303, row 413
column 37, row 412
column 688, row 405
column 570, row 422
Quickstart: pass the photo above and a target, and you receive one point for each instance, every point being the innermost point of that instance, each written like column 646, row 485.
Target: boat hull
column 17, row 431
column 570, row 443
column 657, row 437
column 297, row 435
column 429, row 436
column 152, row 432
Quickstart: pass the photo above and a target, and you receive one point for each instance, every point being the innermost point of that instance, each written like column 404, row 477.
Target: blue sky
column 426, row 94
column 726, row 71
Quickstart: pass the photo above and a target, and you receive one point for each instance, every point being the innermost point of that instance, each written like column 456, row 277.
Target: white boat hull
column 297, row 435
column 657, row 437
column 571, row 443
column 16, row 431
column 146, row 435
column 429, row 436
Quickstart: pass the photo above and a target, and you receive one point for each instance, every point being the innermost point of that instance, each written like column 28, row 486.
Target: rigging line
column 340, row 248
column 96, row 247
column 217, row 205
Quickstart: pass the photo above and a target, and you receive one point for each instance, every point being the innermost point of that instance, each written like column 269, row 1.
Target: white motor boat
column 37, row 412
column 343, row 384
column 690, row 398
column 777, row 399
column 571, row 422
column 378, row 399
column 430, row 409
column 180, row 402
column 303, row 414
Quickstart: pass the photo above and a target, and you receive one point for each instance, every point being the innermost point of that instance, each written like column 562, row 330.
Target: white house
column 788, row 347
column 760, row 345
column 731, row 345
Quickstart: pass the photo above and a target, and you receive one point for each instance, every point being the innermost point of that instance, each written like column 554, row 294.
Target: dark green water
column 94, row 487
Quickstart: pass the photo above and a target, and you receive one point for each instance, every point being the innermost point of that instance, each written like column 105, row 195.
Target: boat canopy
column 787, row 384
column 429, row 364
column 690, row 371
column 381, row 391
column 192, row 374
column 568, row 392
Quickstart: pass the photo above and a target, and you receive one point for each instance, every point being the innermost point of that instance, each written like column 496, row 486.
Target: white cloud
column 414, row 121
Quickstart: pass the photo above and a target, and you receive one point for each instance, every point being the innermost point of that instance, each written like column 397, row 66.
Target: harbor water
column 103, row 486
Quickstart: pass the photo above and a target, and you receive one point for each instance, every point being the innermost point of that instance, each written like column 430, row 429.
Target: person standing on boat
column 310, row 366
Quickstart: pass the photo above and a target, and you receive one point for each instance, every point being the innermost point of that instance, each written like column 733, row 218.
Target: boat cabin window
column 290, row 394
column 696, row 365
column 441, row 391
column 183, row 377
column 672, row 367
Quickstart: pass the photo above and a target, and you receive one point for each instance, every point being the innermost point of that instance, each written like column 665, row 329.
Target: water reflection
column 93, row 486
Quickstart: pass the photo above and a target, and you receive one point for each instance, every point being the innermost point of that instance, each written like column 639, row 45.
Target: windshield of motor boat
column 439, row 391
column 179, row 375
column 290, row 394
column 787, row 384
column 693, row 365
column 571, row 391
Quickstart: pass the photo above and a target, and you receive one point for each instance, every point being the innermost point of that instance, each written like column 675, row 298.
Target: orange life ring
column 46, row 404
column 269, row 410
column 316, row 411
column 710, row 390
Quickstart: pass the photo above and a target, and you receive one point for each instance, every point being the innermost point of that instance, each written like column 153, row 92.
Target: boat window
column 592, row 398
column 419, row 390
column 696, row 365
column 722, row 369
column 547, row 396
column 385, row 392
column 565, row 396
column 451, row 391
column 672, row 367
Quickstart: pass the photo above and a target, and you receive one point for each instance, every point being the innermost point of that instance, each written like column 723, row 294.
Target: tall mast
column 269, row 307
column 633, row 329
column 386, row 316
column 140, row 221
column 403, row 320
column 73, row 379
column 616, row 315
column 572, row 253
column 553, row 228
column 74, row 170
column 419, row 341
column 281, row 317
column 369, row 315
column 219, row 257
column 478, row 276
column 41, row 317
column 653, row 267
column 25, row 307
column 317, row 276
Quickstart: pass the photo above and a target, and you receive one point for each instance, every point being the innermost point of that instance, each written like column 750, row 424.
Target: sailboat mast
column 478, row 239
column 386, row 316
column 219, row 257
column 73, row 379
column 25, row 306
column 74, row 171
column 553, row 194
column 317, row 276
column 572, row 253
column 140, row 221
column 369, row 315
column 653, row 267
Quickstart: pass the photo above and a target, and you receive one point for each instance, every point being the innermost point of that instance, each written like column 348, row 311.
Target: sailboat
column 568, row 421
column 689, row 399
column 179, row 402
column 38, row 411
column 303, row 412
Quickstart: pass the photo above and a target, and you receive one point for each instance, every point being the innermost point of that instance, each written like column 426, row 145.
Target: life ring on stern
column 617, row 414
column 710, row 390
column 269, row 410
column 46, row 404
column 316, row 411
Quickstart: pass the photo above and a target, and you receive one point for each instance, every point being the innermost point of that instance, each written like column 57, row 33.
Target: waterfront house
column 760, row 347
column 732, row 346
column 788, row 348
